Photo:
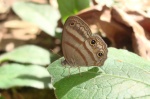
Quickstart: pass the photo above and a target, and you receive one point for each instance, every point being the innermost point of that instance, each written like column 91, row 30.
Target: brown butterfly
column 80, row 47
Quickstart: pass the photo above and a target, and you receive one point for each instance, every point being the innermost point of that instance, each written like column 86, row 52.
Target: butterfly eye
column 93, row 42
column 99, row 54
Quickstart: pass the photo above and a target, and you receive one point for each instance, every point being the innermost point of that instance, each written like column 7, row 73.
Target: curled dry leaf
column 140, row 43
column 16, row 33
column 133, row 4
column 143, row 19
column 5, row 5
column 21, row 30
column 124, row 28
column 117, row 33
column 91, row 16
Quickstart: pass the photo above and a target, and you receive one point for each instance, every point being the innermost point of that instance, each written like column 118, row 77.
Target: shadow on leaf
column 69, row 82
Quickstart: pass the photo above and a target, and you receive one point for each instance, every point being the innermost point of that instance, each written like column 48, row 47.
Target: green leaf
column 43, row 15
column 28, row 54
column 1, row 97
column 124, row 75
column 12, row 75
column 71, row 7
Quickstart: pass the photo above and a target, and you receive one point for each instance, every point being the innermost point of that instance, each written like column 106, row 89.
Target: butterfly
column 80, row 47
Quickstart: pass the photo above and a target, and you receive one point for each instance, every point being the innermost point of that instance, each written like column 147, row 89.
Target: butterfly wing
column 76, row 46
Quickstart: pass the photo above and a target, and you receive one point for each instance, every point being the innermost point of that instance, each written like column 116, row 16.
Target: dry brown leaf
column 141, row 45
column 17, row 24
column 117, row 33
column 43, row 40
column 133, row 4
column 21, row 30
column 14, row 33
column 123, row 29
column 91, row 17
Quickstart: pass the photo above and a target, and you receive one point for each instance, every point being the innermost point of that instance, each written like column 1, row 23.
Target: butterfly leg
column 64, row 72
column 79, row 70
column 74, row 64
column 65, row 64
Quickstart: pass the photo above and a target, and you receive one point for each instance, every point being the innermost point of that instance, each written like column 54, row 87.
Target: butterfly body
column 80, row 47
